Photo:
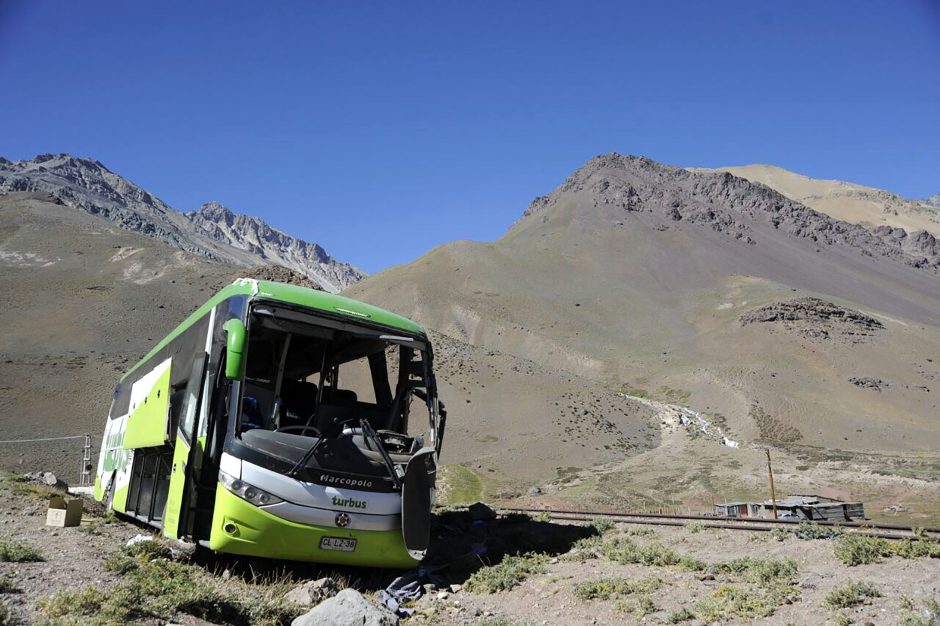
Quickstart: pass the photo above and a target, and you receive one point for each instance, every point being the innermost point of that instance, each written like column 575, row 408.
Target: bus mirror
column 235, row 346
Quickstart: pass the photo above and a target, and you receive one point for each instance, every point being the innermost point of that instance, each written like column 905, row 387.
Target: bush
column 506, row 574
column 763, row 572
column 602, row 525
column 14, row 552
column 606, row 588
column 7, row 586
column 160, row 589
column 930, row 616
column 850, row 594
column 862, row 550
column 623, row 550
column 639, row 607
column 6, row 616
column 730, row 602
column 680, row 615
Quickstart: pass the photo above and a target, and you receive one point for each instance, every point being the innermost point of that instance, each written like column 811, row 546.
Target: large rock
column 312, row 592
column 347, row 608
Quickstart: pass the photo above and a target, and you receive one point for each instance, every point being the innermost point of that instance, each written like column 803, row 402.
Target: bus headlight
column 249, row 493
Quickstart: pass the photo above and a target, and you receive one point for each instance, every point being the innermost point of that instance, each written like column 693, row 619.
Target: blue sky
column 383, row 129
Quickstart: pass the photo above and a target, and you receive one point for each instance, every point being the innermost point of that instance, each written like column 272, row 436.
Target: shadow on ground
column 459, row 547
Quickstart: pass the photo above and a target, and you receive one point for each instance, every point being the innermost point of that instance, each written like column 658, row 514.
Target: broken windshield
column 332, row 395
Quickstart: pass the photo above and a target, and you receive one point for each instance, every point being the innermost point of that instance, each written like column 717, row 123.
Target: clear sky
column 382, row 129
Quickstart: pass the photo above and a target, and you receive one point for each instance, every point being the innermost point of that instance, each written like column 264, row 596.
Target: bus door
column 185, row 452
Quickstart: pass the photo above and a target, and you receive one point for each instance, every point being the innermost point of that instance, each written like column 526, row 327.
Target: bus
column 281, row 422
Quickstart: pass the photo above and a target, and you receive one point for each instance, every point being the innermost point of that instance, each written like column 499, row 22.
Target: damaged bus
column 281, row 422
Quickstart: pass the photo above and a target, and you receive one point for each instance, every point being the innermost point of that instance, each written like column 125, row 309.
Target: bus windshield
column 325, row 394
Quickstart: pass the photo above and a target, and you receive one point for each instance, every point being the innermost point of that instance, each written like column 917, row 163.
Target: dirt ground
column 74, row 559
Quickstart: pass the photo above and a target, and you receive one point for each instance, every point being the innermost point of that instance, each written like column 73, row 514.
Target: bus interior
column 321, row 394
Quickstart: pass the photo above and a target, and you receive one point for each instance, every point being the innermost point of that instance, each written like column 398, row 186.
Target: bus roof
column 291, row 294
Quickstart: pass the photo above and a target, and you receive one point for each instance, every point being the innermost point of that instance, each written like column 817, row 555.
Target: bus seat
column 298, row 402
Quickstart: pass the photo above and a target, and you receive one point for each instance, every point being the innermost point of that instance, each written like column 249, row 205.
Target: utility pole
column 773, row 493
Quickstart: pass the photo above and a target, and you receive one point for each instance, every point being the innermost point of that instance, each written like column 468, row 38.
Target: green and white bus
column 276, row 421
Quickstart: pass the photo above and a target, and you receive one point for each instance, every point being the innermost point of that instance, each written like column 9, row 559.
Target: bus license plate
column 338, row 543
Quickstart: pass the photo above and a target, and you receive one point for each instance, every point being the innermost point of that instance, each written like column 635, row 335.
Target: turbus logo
column 349, row 502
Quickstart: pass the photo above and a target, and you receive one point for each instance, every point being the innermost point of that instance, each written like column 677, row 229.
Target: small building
column 737, row 509
column 796, row 507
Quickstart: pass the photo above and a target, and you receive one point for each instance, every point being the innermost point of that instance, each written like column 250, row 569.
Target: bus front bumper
column 239, row 527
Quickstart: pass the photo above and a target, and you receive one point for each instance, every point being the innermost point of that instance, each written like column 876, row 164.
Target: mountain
column 256, row 237
column 710, row 291
column 85, row 299
column 212, row 232
column 934, row 200
column 850, row 202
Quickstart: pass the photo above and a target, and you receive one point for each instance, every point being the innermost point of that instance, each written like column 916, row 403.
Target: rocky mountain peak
column 934, row 200
column 610, row 190
column 214, row 231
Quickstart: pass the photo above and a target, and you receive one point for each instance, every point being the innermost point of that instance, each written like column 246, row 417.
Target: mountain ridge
column 88, row 185
column 851, row 202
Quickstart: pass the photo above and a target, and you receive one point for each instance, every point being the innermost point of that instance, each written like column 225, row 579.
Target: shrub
column 680, row 615
column 862, row 550
column 639, row 607
column 763, row 572
column 161, row 589
column 7, row 586
column 730, row 602
column 694, row 527
column 850, row 594
column 606, row 588
column 623, row 550
column 602, row 525
column 506, row 574
column 14, row 552
column 930, row 616
column 6, row 616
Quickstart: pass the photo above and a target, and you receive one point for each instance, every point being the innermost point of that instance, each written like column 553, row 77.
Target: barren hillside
column 650, row 278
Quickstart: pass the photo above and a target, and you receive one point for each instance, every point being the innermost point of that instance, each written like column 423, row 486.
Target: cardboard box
column 64, row 512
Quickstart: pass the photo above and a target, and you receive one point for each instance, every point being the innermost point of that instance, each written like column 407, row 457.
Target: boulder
column 347, row 608
column 312, row 592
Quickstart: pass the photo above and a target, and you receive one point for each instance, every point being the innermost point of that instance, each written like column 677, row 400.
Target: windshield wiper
column 306, row 457
column 369, row 432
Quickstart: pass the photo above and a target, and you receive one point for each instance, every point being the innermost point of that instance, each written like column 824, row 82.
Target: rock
column 344, row 609
column 46, row 478
column 442, row 595
column 138, row 539
column 534, row 491
column 480, row 511
column 660, row 616
column 455, row 588
column 312, row 592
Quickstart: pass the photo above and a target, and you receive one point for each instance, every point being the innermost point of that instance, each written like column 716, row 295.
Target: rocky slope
column 638, row 275
column 856, row 204
column 212, row 232
column 256, row 237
